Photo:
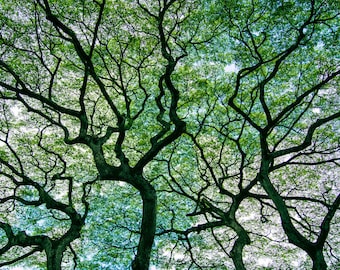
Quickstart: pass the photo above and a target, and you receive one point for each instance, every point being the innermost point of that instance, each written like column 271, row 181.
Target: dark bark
column 315, row 251
column 148, row 227
column 237, row 250
column 54, row 252
column 54, row 258
column 318, row 259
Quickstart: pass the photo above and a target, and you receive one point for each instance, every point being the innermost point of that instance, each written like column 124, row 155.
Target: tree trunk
column 242, row 240
column 55, row 249
column 319, row 262
column 294, row 236
column 54, row 258
column 148, row 228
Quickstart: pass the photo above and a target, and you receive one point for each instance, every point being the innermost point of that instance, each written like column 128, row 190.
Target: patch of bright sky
column 319, row 46
column 231, row 68
column 264, row 261
column 15, row 110
column 316, row 110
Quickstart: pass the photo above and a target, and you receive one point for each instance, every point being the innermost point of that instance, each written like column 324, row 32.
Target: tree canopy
column 169, row 134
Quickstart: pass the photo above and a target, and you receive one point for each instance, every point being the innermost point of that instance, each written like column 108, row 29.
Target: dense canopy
column 169, row 134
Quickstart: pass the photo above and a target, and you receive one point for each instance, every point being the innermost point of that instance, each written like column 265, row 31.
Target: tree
column 265, row 127
column 226, row 111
